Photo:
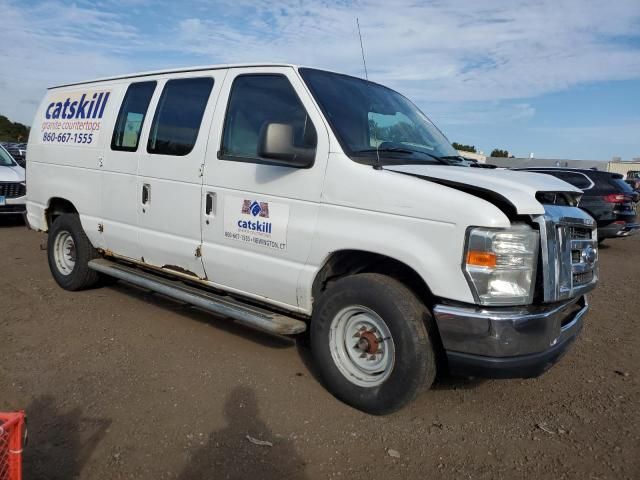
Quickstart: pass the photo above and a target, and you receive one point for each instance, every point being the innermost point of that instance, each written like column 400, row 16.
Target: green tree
column 464, row 148
column 12, row 131
column 496, row 152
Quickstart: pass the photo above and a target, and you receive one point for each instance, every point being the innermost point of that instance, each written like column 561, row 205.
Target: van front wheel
column 69, row 252
column 370, row 342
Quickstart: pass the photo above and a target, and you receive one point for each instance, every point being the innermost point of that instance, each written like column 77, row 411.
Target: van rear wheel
column 370, row 342
column 69, row 252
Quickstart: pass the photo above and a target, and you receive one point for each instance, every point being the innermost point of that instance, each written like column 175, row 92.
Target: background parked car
column 607, row 198
column 13, row 197
column 633, row 179
column 18, row 151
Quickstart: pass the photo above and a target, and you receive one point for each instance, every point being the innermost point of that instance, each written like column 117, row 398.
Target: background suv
column 607, row 198
column 13, row 197
column 633, row 179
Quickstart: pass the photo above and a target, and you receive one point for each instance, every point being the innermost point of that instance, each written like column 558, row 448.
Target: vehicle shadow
column 236, row 452
column 447, row 381
column 443, row 381
column 7, row 221
column 59, row 444
column 181, row 308
column 303, row 348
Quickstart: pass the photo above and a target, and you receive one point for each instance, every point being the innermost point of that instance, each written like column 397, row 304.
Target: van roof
column 176, row 70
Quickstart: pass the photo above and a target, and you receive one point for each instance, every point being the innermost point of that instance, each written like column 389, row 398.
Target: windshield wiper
column 402, row 150
column 387, row 149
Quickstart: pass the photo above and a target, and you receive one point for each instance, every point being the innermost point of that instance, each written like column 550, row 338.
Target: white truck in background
column 299, row 200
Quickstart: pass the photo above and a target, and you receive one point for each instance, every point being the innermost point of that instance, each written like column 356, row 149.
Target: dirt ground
column 121, row 383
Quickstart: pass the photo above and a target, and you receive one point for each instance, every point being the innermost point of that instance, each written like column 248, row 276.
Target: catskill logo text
column 84, row 107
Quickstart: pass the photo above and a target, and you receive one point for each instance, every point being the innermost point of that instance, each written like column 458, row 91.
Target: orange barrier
column 12, row 432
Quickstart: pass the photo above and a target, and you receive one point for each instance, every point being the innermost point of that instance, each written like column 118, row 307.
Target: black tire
column 407, row 320
column 80, row 276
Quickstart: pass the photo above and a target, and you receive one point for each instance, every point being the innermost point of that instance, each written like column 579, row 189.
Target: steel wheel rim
column 64, row 253
column 361, row 346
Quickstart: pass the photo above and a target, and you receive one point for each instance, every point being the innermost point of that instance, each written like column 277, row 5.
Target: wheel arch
column 349, row 262
column 58, row 206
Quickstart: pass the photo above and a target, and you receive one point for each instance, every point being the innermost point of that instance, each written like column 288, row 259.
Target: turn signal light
column 481, row 259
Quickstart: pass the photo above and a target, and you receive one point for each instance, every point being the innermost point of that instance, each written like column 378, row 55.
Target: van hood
column 518, row 189
column 12, row 174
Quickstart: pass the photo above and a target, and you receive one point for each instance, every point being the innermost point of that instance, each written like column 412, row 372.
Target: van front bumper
column 508, row 342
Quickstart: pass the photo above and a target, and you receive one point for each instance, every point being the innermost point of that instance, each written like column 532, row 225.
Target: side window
column 126, row 133
column 582, row 182
column 602, row 185
column 178, row 116
column 576, row 179
column 257, row 101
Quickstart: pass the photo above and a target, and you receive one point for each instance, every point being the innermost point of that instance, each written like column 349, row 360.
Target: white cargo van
column 294, row 199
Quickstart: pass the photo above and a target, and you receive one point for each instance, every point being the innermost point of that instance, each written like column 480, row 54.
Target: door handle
column 210, row 203
column 146, row 194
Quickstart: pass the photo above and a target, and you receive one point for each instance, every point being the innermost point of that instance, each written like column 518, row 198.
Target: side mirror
column 276, row 145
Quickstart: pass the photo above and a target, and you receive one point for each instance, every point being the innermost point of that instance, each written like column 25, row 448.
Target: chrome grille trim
column 563, row 231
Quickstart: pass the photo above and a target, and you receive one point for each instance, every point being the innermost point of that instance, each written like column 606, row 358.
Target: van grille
column 569, row 252
column 577, row 255
column 580, row 233
column 582, row 278
column 12, row 189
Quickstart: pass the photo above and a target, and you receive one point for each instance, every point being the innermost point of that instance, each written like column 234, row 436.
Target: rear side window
column 574, row 178
column 623, row 186
column 178, row 117
column 255, row 102
column 603, row 183
column 126, row 134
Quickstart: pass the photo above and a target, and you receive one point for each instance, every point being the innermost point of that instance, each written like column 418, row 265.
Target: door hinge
column 201, row 170
column 100, row 227
column 199, row 251
column 100, row 161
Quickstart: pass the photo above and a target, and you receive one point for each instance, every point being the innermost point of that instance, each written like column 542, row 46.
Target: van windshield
column 373, row 121
column 6, row 160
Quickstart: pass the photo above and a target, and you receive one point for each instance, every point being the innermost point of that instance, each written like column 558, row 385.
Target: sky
column 556, row 78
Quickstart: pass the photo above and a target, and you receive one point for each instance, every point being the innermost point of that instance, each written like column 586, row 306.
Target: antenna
column 364, row 62
column 378, row 165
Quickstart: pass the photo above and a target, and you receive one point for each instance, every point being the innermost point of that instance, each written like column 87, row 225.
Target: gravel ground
column 121, row 383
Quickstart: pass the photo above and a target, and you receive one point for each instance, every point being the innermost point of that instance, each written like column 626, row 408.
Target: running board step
column 253, row 316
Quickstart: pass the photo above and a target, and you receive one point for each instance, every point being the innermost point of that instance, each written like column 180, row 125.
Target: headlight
column 500, row 265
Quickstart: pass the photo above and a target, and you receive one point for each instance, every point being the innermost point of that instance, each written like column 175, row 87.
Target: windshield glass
column 6, row 160
column 370, row 120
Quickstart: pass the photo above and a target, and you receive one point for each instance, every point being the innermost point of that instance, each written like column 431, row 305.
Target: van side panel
column 66, row 144
column 265, row 265
column 419, row 223
column 118, row 189
column 36, row 198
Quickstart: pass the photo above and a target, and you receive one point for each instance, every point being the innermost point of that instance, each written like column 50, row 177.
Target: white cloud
column 479, row 113
column 457, row 50
column 49, row 44
column 494, row 54
column 619, row 135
